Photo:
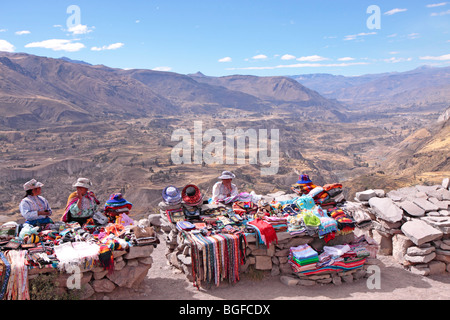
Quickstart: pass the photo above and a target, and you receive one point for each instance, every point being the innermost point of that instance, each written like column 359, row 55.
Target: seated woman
column 82, row 204
column 224, row 190
column 33, row 207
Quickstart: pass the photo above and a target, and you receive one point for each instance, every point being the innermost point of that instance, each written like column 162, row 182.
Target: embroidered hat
column 171, row 195
column 303, row 179
column 116, row 200
column 83, row 182
column 227, row 175
column 32, row 184
column 191, row 195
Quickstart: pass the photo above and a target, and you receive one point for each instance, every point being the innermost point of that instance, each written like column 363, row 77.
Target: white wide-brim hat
column 32, row 184
column 227, row 175
column 83, row 182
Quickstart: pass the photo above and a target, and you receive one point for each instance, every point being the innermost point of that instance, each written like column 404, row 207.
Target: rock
column 336, row 279
column 442, row 205
column 385, row 243
column 419, row 232
column 437, row 267
column 103, row 285
column 444, row 193
column 421, row 270
column 425, row 204
column 87, row 291
column 420, row 259
column 275, row 271
column 446, row 183
column 400, row 245
column 139, row 252
column 347, row 278
column 306, row 282
column 417, row 251
column 380, row 193
column 365, row 195
column 385, row 209
column 155, row 220
column 412, row 209
column 289, row 281
column 444, row 213
column 129, row 277
column 443, row 258
column 438, row 222
column 263, row 263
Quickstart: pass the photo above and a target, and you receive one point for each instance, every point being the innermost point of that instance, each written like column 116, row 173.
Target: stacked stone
column 178, row 250
column 413, row 225
column 130, row 269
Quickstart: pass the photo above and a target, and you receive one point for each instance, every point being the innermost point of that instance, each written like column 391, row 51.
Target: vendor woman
column 224, row 189
column 82, row 204
column 34, row 207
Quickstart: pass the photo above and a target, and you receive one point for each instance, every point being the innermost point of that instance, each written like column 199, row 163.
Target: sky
column 226, row 37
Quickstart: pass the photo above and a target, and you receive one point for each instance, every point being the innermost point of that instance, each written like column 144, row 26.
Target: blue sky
column 217, row 38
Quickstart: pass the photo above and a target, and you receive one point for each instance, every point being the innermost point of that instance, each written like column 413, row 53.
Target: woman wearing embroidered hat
column 82, row 204
column 224, row 189
column 33, row 207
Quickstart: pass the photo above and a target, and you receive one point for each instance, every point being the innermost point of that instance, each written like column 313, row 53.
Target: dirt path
column 163, row 283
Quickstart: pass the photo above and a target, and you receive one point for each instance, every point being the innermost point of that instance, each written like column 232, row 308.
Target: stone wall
column 273, row 260
column 413, row 225
column 130, row 269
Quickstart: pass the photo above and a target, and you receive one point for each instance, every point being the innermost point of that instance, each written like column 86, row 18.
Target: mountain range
column 424, row 88
column 36, row 91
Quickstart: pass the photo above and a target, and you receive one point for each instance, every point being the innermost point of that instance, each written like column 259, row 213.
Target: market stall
column 215, row 243
column 110, row 250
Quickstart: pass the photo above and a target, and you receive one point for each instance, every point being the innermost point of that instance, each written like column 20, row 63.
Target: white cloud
column 303, row 65
column 397, row 60
column 394, row 11
column 226, row 59
column 259, row 57
column 288, row 57
column 394, row 52
column 413, row 35
column 443, row 13
column 436, row 5
column 6, row 46
column 57, row 45
column 80, row 29
column 162, row 69
column 392, row 35
column 313, row 58
column 113, row 46
column 21, row 33
column 3, row 30
column 444, row 57
column 362, row 34
column 346, row 59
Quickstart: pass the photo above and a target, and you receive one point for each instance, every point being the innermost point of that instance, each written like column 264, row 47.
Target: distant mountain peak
column 75, row 61
column 197, row 74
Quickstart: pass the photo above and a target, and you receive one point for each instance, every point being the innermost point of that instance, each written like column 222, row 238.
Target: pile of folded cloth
column 338, row 258
column 303, row 258
column 345, row 223
column 278, row 223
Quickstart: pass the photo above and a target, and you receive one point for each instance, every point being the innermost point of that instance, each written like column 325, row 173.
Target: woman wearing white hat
column 82, row 204
column 33, row 207
column 224, row 189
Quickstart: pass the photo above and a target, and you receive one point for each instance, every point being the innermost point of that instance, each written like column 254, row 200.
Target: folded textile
column 265, row 230
column 303, row 251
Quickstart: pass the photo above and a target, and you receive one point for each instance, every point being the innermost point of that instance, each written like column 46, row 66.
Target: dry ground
column 163, row 283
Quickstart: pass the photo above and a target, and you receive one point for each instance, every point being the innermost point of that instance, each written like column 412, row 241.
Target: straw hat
column 32, row 184
column 83, row 182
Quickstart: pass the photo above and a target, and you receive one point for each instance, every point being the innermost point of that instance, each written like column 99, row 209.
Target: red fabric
column 267, row 231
